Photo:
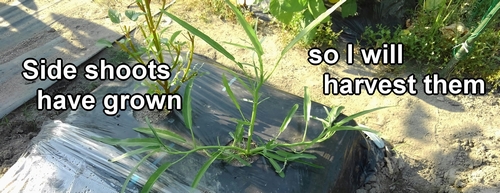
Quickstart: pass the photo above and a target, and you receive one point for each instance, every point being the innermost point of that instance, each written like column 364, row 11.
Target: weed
column 431, row 41
column 376, row 37
column 5, row 122
column 324, row 36
column 28, row 113
column 118, row 56
column 218, row 7
column 31, row 120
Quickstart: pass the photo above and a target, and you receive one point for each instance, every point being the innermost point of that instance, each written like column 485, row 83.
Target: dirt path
column 43, row 29
column 439, row 143
column 61, row 30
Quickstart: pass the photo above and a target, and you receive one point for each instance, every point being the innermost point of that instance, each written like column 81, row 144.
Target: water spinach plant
column 154, row 45
column 244, row 145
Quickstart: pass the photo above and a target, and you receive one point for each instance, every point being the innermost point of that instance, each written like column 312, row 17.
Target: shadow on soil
column 458, row 153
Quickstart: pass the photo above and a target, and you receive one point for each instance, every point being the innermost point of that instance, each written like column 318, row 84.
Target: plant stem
column 199, row 148
column 254, row 116
column 152, row 29
column 191, row 50
column 296, row 144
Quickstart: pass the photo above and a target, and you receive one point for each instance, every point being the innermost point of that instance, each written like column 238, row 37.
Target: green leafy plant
column 244, row 145
column 323, row 35
column 155, row 45
column 430, row 49
column 378, row 36
column 307, row 11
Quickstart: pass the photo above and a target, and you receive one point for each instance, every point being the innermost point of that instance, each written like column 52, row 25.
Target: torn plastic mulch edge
column 63, row 157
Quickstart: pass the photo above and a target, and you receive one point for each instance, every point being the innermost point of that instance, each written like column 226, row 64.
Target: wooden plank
column 47, row 29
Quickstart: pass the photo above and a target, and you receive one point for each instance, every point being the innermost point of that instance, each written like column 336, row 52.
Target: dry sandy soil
column 436, row 143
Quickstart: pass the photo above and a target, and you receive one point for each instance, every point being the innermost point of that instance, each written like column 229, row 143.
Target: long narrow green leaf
column 241, row 160
column 152, row 179
column 311, row 26
column 263, row 100
column 135, row 152
column 232, row 135
column 162, row 32
column 307, row 111
column 293, row 156
column 349, row 118
column 155, row 134
column 239, row 132
column 309, row 164
column 240, row 46
column 331, row 116
column 201, row 35
column 186, row 105
column 129, row 142
column 324, row 122
column 334, row 113
column 331, row 131
column 132, row 172
column 288, row 118
column 245, row 85
column 204, row 169
column 274, row 156
column 174, row 36
column 255, row 29
column 307, row 105
column 276, row 167
column 248, row 29
column 230, row 92
column 247, row 64
column 164, row 134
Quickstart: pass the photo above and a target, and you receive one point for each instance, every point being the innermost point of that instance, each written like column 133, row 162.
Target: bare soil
column 435, row 143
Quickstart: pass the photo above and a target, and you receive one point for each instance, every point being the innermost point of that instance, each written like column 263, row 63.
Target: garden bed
column 441, row 142
column 65, row 151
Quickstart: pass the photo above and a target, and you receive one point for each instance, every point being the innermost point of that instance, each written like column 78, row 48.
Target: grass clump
column 324, row 35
